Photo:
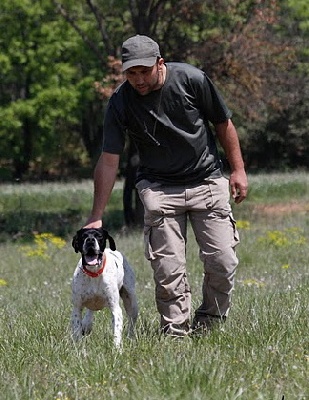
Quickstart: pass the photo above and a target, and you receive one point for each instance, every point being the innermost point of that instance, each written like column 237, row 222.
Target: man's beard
column 154, row 86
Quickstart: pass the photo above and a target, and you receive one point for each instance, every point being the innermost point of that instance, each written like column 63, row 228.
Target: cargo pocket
column 235, row 238
column 149, row 237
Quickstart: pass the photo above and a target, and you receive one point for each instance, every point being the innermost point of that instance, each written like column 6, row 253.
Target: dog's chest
column 94, row 301
column 94, row 293
column 97, row 293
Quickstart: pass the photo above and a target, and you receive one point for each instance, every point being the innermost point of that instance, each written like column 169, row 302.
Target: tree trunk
column 132, row 205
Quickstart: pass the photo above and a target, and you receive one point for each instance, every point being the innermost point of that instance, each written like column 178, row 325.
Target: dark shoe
column 202, row 325
column 199, row 328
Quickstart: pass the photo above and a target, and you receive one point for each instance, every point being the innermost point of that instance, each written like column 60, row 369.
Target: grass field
column 261, row 352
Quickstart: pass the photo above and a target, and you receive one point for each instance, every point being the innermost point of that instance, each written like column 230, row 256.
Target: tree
column 255, row 60
column 56, row 56
column 285, row 137
column 38, row 97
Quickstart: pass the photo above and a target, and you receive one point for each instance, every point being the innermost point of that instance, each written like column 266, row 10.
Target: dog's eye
column 97, row 235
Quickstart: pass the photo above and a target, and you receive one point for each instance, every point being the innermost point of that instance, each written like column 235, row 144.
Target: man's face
column 145, row 79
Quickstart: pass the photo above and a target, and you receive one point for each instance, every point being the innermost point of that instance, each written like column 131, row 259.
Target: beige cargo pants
column 167, row 210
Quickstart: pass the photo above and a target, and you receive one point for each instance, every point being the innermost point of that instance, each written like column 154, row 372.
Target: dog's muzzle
column 92, row 254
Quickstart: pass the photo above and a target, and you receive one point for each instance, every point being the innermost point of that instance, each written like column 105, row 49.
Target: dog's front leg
column 76, row 323
column 117, row 321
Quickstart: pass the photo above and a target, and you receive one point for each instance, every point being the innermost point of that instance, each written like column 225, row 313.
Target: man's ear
column 160, row 63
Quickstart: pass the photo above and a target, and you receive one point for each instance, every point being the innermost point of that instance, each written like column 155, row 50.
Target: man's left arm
column 228, row 138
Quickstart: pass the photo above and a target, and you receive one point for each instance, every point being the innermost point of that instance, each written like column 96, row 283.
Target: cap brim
column 144, row 62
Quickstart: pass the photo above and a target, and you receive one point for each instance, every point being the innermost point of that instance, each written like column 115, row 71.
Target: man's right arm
column 105, row 174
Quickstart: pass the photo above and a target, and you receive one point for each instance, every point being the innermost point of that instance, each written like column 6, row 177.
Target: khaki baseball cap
column 139, row 50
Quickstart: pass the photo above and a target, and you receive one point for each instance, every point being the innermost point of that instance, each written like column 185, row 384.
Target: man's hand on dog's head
column 93, row 223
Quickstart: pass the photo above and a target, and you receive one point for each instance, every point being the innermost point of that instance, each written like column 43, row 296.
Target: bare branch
column 81, row 33
column 100, row 19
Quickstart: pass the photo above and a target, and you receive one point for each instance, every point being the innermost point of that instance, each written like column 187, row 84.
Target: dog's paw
column 86, row 331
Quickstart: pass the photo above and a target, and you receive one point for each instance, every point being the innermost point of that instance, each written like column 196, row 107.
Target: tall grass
column 261, row 352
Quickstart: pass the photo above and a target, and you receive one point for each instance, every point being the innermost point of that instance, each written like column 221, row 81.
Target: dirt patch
column 282, row 208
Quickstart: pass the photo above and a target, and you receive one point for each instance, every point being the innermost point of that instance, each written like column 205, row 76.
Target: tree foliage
column 60, row 61
column 39, row 99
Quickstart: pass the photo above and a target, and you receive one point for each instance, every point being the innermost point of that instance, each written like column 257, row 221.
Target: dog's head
column 91, row 244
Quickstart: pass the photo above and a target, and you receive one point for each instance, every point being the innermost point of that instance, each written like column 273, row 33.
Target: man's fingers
column 238, row 194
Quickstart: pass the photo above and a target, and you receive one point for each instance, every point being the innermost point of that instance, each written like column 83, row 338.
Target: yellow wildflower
column 286, row 237
column 243, row 224
column 253, row 282
column 43, row 243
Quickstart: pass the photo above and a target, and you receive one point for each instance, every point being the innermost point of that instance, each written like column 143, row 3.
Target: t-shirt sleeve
column 212, row 103
column 113, row 130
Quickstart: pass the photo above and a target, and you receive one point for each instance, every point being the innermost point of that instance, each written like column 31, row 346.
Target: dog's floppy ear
column 75, row 241
column 112, row 244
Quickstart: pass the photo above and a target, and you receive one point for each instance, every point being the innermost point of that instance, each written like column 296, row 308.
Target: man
column 167, row 109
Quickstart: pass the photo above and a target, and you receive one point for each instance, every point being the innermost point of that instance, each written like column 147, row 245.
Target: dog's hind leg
column 87, row 322
column 128, row 295
column 131, row 307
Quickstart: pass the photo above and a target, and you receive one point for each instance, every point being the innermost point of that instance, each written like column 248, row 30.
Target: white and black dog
column 101, row 277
